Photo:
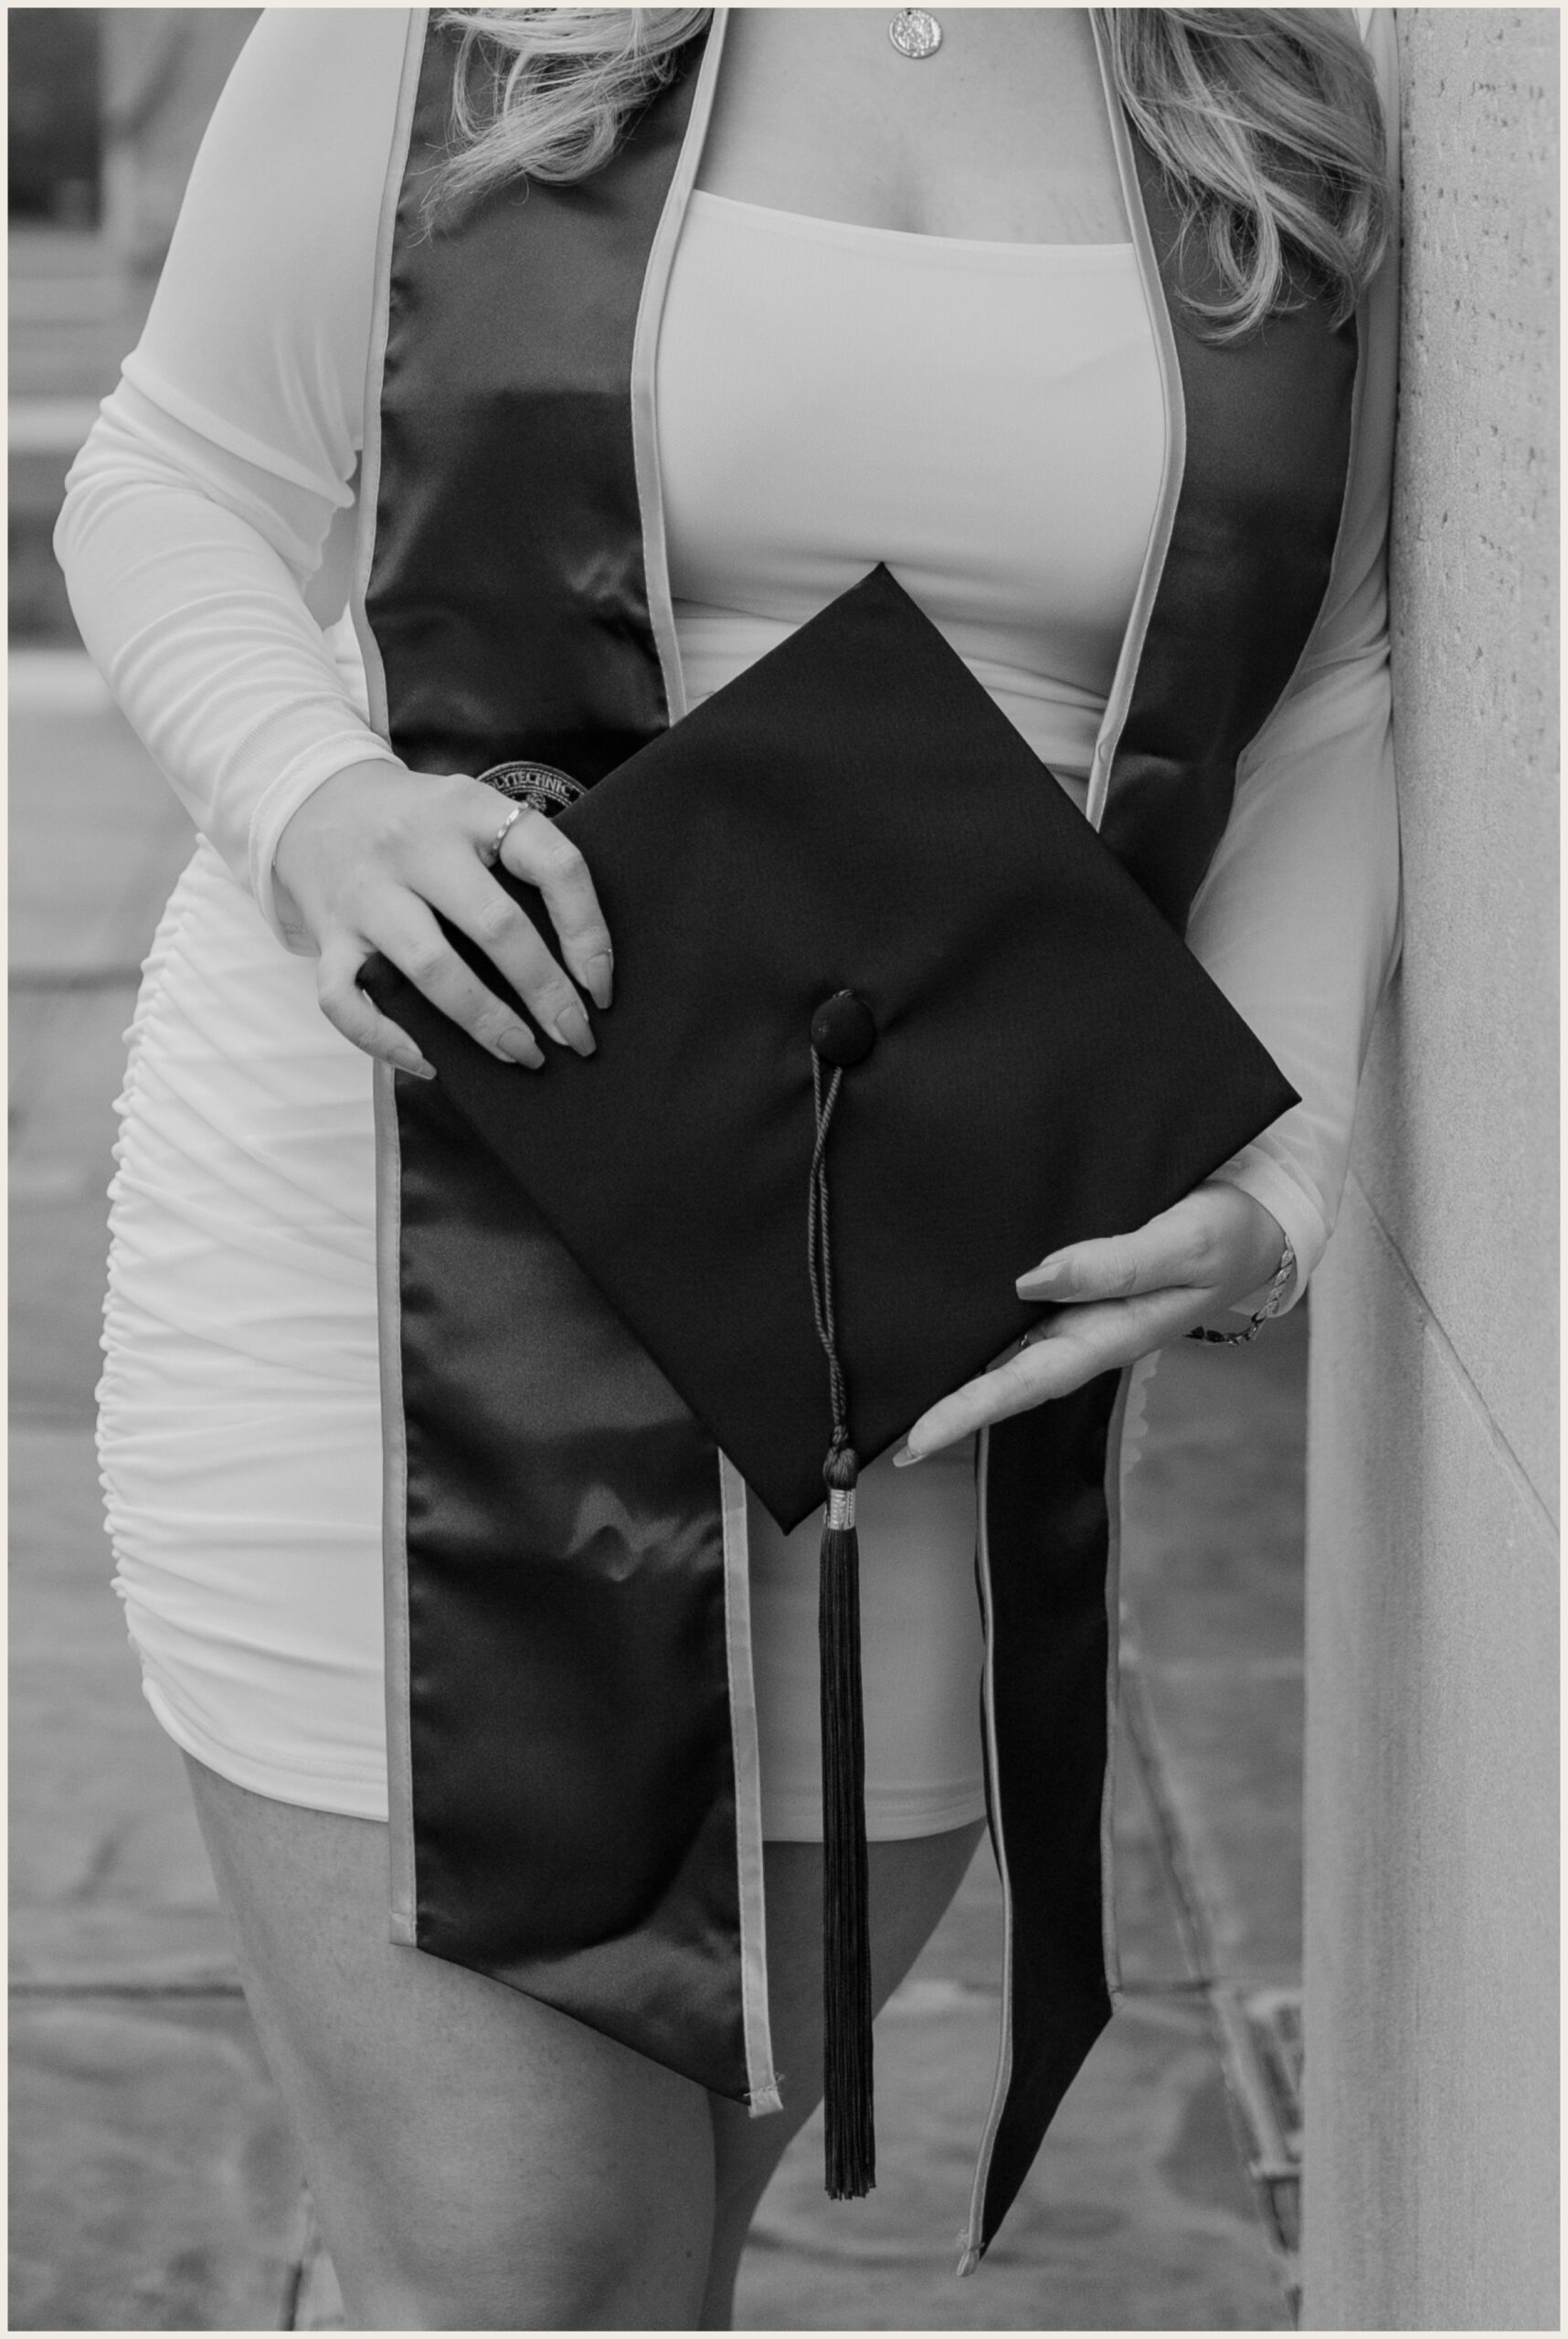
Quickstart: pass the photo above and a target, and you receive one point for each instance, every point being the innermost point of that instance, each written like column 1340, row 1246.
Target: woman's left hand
column 1118, row 1297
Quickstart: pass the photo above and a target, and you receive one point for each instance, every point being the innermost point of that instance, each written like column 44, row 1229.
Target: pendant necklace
column 915, row 32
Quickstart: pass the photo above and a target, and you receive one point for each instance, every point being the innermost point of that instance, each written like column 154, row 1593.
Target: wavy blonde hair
column 1264, row 124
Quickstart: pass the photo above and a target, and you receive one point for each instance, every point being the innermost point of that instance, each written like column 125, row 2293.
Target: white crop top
column 986, row 418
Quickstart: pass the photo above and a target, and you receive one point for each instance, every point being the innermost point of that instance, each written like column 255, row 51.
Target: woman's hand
column 372, row 855
column 1119, row 1298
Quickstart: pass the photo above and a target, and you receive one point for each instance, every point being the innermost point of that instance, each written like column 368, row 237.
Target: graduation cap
column 891, row 1022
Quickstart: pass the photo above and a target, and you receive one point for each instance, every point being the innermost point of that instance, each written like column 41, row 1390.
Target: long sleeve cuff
column 277, row 806
column 1258, row 1172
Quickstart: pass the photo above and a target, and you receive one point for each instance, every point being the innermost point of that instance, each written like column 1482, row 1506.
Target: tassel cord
column 819, row 1248
column 847, row 2076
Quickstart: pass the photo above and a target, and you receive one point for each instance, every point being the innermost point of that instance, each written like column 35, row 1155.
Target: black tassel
column 842, row 1035
column 846, row 1933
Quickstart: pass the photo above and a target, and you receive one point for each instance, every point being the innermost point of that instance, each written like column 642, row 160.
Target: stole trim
column 395, row 1490
column 644, row 360
column 1157, row 309
column 971, row 2241
column 375, row 366
column 1114, row 1464
column 388, row 1167
column 762, row 2080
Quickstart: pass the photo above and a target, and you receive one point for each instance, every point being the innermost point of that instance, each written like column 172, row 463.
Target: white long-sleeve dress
column 206, row 537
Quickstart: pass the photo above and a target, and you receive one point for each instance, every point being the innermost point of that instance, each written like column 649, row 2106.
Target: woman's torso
column 906, row 324
column 983, row 416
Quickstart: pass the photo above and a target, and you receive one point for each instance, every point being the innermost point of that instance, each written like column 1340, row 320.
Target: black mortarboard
column 867, row 954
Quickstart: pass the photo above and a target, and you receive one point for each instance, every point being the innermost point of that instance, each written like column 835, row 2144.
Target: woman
column 1047, row 311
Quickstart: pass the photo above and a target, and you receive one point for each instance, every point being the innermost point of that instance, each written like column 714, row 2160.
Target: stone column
column 1431, row 2111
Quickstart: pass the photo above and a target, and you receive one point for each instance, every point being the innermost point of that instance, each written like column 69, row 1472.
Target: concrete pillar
column 1432, row 1638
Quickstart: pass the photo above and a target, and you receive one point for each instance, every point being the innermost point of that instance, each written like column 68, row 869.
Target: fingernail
column 1040, row 1278
column 520, row 1047
column 904, row 1457
column 416, row 1068
column 600, row 977
column 572, row 1027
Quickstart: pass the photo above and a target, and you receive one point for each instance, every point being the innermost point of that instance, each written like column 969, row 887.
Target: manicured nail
column 600, row 977
column 905, row 1458
column 416, row 1068
column 520, row 1047
column 1040, row 1278
column 571, row 1027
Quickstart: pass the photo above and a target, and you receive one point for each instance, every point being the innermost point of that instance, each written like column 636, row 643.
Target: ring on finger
column 490, row 853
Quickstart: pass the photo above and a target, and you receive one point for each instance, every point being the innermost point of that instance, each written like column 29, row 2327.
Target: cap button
column 843, row 1030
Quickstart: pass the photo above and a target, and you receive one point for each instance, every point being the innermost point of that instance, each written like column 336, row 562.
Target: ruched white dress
column 986, row 418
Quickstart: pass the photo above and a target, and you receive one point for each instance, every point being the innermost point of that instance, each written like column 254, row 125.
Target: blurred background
column 154, row 2184
column 106, row 108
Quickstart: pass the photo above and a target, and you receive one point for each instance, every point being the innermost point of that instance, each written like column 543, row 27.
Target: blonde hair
column 1265, row 125
column 544, row 93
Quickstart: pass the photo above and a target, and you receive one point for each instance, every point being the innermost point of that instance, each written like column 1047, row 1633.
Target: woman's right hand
column 377, row 850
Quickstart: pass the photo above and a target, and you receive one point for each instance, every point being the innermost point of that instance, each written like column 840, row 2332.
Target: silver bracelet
column 1271, row 1307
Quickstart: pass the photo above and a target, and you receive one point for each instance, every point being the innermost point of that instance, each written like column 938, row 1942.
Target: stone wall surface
column 1432, row 1632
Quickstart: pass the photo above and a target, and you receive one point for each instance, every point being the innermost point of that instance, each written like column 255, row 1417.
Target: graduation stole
column 572, row 1737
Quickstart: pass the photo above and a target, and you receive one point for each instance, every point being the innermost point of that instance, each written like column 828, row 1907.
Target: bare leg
column 480, row 2162
column 912, row 1883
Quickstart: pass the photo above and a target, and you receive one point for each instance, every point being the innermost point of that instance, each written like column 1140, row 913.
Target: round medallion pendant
column 915, row 32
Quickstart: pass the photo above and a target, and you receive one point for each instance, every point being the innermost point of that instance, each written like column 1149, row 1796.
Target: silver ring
column 490, row 853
